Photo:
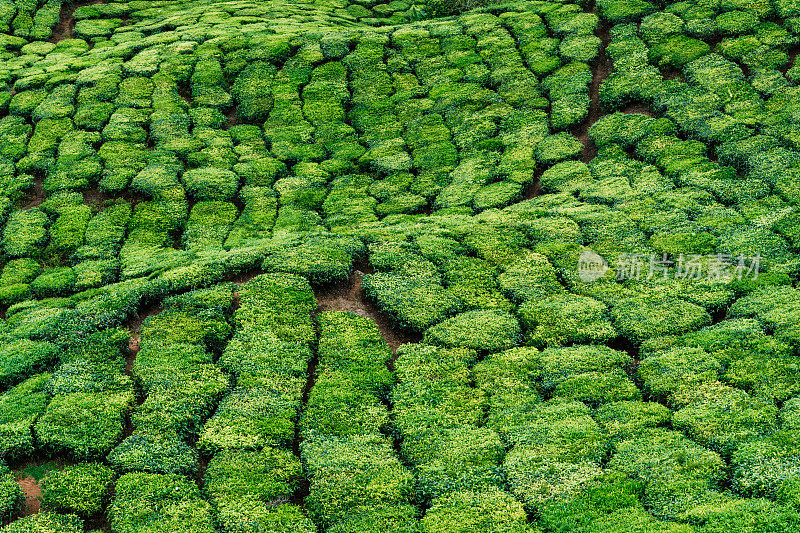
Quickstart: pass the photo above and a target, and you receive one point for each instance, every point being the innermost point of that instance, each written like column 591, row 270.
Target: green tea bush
column 158, row 454
column 529, row 277
column 337, row 407
column 25, row 232
column 268, row 475
column 248, row 514
column 722, row 417
column 536, row 479
column 609, row 500
column 11, row 495
column 664, row 373
column 640, row 318
column 592, row 374
column 21, row 359
column 556, row 430
column 416, row 302
column 380, row 518
column 284, row 301
column 343, row 472
column 256, row 219
column 84, row 425
column 565, row 319
column 457, row 459
column 81, row 489
column 46, row 522
column 209, row 224
column 19, row 408
column 250, row 419
column 676, row 471
column 491, row 511
column 352, row 345
column 321, row 259
column 166, row 502
column 766, row 466
column 56, row 282
column 84, row 375
column 626, row 419
column 744, row 515
column 478, row 330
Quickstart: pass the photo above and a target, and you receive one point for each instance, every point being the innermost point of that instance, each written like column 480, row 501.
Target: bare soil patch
column 134, row 325
column 601, row 69
column 32, row 495
column 640, row 109
column 233, row 119
column 351, row 297
column 66, row 24
column 35, row 195
column 95, row 198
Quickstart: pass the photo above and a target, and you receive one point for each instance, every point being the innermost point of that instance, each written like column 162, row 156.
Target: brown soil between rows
column 601, row 70
column 350, row 296
column 66, row 23
column 640, row 109
column 35, row 195
column 134, row 325
column 32, row 496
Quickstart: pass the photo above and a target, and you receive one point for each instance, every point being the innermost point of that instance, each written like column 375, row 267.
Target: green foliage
column 81, row 489
column 84, row 425
column 491, row 511
column 625, row 419
column 381, row 518
column 19, row 408
column 321, row 259
column 640, row 318
column 557, row 148
column 165, row 502
column 10, row 493
column 25, row 233
column 46, row 522
column 478, row 330
column 677, row 472
column 565, row 319
column 211, row 183
column 21, row 359
column 722, row 417
column 744, row 516
column 268, row 475
column 250, row 419
column 416, row 302
column 249, row 515
column 160, row 454
column 351, row 472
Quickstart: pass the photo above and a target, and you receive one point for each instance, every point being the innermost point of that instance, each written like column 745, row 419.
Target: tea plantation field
column 419, row 266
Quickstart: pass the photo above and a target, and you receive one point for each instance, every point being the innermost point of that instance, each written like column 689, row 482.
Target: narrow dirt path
column 792, row 52
column 134, row 325
column 35, row 195
column 32, row 496
column 351, row 296
column 66, row 23
column 640, row 109
column 95, row 198
column 601, row 69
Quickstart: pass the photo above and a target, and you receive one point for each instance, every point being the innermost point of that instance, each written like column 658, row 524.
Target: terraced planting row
column 319, row 266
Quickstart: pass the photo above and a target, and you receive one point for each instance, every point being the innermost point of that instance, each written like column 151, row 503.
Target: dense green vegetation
column 202, row 174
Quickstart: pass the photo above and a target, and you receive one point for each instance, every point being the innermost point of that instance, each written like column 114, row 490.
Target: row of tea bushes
column 357, row 482
column 253, row 472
